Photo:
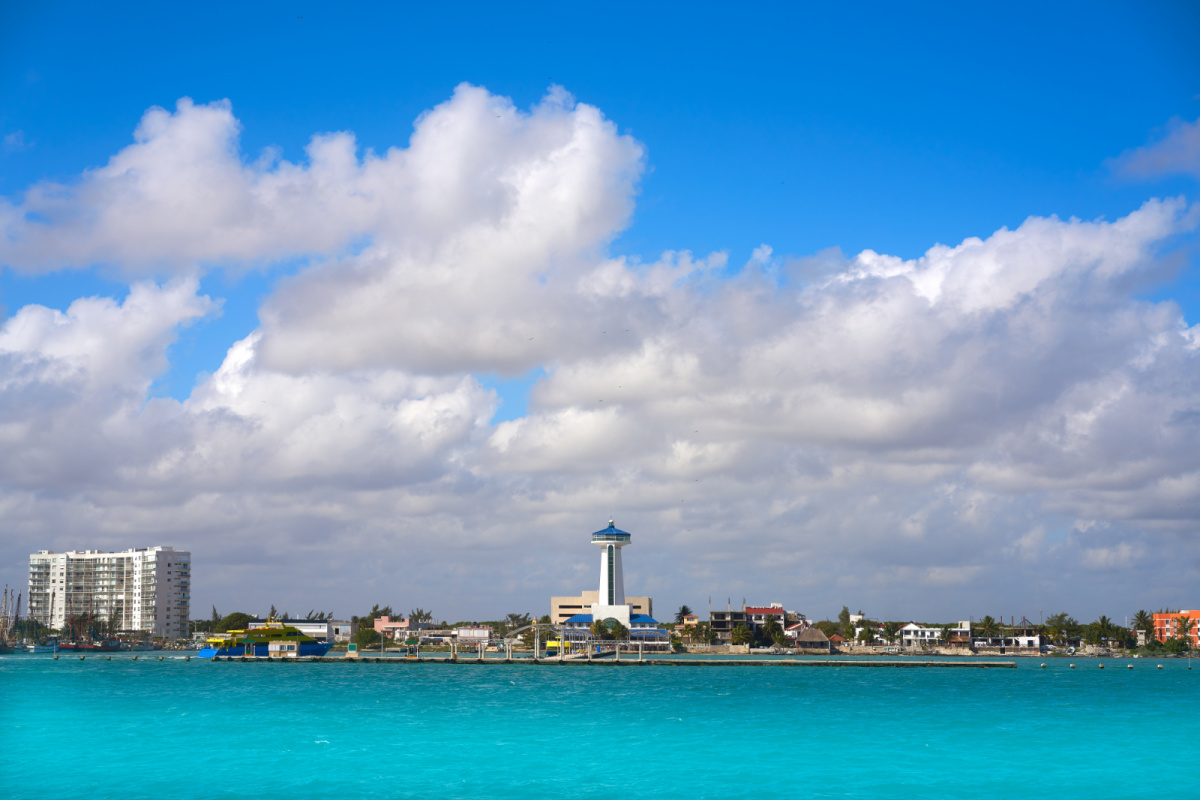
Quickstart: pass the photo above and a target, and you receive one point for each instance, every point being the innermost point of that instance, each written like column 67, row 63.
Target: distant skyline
column 883, row 307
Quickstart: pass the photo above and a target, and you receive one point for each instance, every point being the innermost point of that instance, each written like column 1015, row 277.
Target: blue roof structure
column 636, row 619
column 611, row 534
column 648, row 633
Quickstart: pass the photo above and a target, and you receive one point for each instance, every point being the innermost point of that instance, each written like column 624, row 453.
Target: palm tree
column 742, row 634
column 1184, row 631
column 987, row 627
column 773, row 632
column 682, row 614
column 1144, row 621
column 947, row 632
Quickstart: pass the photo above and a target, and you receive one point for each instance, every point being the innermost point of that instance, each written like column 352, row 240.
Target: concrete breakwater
column 632, row 662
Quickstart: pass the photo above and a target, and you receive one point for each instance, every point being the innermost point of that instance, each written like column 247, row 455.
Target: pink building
column 386, row 626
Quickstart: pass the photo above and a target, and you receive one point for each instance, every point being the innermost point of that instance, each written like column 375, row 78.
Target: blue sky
column 877, row 127
column 883, row 127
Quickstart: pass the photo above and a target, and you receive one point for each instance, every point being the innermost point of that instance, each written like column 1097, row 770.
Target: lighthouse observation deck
column 610, row 534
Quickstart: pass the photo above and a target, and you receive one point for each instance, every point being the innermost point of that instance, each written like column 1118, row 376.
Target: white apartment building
column 146, row 588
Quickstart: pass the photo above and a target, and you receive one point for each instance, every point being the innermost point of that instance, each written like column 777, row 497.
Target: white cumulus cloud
column 919, row 434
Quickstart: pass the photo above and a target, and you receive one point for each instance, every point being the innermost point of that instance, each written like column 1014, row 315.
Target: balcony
column 605, row 536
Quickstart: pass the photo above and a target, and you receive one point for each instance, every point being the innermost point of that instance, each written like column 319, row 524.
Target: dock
column 633, row 662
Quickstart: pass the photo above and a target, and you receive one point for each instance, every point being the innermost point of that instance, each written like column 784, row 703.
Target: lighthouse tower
column 612, row 578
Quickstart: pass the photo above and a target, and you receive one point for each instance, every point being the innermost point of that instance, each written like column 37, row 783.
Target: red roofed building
column 758, row 616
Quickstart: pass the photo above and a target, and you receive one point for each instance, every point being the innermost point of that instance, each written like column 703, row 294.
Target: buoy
column 56, row 656
column 1129, row 666
column 187, row 658
column 1072, row 666
column 1160, row 666
column 160, row 658
column 108, row 658
column 1043, row 665
column 1100, row 665
column 81, row 658
column 135, row 658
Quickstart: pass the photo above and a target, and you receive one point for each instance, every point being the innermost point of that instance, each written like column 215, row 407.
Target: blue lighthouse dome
column 610, row 534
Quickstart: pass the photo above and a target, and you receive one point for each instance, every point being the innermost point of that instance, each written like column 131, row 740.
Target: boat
column 40, row 648
column 257, row 642
column 10, row 615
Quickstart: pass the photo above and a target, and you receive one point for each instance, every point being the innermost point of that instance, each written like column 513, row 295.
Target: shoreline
column 630, row 662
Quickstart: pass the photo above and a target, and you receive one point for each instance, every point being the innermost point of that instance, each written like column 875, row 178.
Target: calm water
column 175, row 729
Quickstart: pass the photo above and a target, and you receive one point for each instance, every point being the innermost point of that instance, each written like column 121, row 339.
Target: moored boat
column 257, row 642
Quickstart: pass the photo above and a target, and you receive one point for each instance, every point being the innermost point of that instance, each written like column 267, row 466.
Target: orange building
column 1167, row 626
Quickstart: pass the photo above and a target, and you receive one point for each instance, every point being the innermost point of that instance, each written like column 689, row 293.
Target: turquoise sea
column 195, row 729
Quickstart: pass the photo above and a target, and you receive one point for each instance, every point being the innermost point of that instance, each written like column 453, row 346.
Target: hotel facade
column 1170, row 626
column 147, row 588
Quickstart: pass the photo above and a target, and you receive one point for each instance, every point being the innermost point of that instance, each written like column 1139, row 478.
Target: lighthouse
column 611, row 596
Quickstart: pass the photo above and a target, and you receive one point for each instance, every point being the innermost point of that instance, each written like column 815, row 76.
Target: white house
column 473, row 634
column 914, row 635
column 876, row 632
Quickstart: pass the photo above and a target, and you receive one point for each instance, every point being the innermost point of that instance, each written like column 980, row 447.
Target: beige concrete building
column 563, row 608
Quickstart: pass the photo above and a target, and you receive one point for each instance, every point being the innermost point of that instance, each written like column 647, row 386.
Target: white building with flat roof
column 144, row 588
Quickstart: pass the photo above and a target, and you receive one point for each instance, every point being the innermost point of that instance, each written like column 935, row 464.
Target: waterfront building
column 473, row 634
column 145, row 589
column 563, row 608
column 610, row 602
column 400, row 628
column 1168, row 626
column 758, row 616
column 812, row 639
column 1017, row 634
column 914, row 635
column 876, row 631
column 640, row 626
column 722, row 623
